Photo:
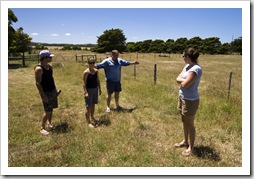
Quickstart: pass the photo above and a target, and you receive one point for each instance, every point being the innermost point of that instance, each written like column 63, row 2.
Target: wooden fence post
column 155, row 71
column 229, row 83
column 23, row 59
column 134, row 71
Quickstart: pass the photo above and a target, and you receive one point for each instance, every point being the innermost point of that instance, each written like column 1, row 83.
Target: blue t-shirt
column 191, row 93
column 112, row 68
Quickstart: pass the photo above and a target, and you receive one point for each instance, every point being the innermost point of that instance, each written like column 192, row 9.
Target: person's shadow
column 124, row 110
column 103, row 120
column 60, row 128
column 206, row 152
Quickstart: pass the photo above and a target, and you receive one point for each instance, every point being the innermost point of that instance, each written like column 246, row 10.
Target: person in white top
column 188, row 101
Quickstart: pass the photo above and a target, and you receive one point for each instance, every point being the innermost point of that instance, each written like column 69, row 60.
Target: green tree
column 40, row 47
column 130, row 46
column 157, row 46
column 11, row 31
column 170, row 46
column 21, row 43
column 145, row 45
column 224, row 48
column 137, row 46
column 67, row 47
column 111, row 39
column 211, row 45
column 76, row 47
column 236, row 45
column 180, row 45
column 195, row 42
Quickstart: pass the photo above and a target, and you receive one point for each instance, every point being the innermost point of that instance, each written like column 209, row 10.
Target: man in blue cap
column 47, row 89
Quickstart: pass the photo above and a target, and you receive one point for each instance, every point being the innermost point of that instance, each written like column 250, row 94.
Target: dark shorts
column 92, row 97
column 53, row 103
column 113, row 86
column 187, row 107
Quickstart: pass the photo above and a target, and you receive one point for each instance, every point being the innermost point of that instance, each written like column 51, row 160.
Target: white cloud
column 54, row 35
column 35, row 33
column 67, row 34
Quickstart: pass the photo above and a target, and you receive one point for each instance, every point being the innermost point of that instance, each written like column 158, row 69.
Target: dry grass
column 142, row 137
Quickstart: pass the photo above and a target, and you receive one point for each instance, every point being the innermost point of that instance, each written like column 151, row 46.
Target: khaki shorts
column 187, row 107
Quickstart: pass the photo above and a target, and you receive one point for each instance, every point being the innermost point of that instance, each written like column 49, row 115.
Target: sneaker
column 44, row 132
column 108, row 109
column 58, row 92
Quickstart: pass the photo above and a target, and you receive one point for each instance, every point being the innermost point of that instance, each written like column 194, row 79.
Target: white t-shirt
column 191, row 93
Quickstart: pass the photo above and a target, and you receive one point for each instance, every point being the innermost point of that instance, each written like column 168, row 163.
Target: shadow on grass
column 60, row 128
column 15, row 66
column 104, row 120
column 206, row 152
column 124, row 110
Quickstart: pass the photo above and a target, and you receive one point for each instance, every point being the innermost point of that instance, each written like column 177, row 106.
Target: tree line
column 20, row 42
column 115, row 39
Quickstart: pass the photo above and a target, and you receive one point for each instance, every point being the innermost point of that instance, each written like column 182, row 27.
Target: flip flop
column 91, row 125
column 180, row 145
column 186, row 153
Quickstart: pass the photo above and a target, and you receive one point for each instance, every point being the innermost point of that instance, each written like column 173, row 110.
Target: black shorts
column 113, row 86
column 52, row 103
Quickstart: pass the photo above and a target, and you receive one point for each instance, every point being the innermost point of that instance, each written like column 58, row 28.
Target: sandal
column 51, row 126
column 186, row 153
column 91, row 125
column 180, row 145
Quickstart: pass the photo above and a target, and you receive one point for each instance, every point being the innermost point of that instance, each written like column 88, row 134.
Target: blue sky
column 83, row 25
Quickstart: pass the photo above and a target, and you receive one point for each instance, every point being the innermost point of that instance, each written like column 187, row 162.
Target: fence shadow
column 206, row 152
column 61, row 128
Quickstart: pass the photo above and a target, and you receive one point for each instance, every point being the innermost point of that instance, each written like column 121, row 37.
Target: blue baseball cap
column 45, row 53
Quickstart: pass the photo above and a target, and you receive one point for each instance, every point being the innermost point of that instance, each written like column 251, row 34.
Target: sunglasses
column 91, row 63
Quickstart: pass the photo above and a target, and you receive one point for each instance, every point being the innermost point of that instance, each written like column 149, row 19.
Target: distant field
column 60, row 47
column 142, row 137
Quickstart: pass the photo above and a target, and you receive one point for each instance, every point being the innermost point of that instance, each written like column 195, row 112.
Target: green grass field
column 142, row 137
